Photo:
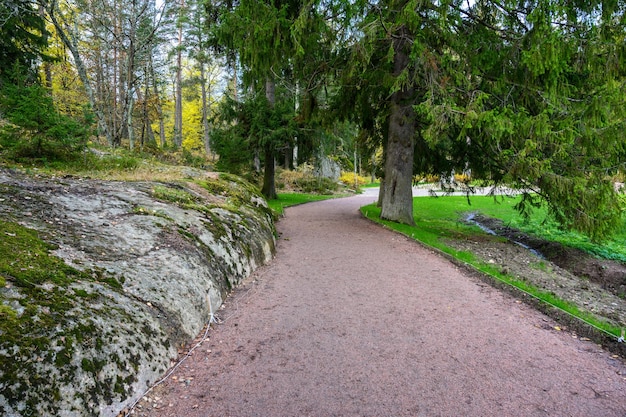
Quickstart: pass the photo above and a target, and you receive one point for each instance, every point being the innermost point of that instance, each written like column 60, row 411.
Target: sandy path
column 353, row 320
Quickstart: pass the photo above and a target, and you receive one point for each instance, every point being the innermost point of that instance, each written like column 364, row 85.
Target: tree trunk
column 397, row 201
column 288, row 157
column 269, row 172
column 157, row 102
column 129, row 122
column 178, row 111
column 147, row 135
column 130, row 79
column 205, row 110
column 397, row 197
column 70, row 42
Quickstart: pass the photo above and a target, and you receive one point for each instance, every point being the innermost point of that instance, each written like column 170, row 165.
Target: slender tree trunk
column 233, row 65
column 288, row 157
column 70, row 42
column 178, row 111
column 129, row 122
column 130, row 78
column 117, row 80
column 157, row 103
column 205, row 110
column 294, row 150
column 373, row 177
column 397, row 193
column 47, row 70
column 269, row 172
column 147, row 135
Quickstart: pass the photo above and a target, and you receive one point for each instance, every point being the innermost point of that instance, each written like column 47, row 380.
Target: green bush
column 37, row 131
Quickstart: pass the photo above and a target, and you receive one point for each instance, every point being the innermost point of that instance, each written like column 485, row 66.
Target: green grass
column 440, row 218
column 293, row 199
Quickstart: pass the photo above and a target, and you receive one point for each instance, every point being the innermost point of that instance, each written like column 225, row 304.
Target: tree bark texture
column 269, row 171
column 397, row 197
column 397, row 201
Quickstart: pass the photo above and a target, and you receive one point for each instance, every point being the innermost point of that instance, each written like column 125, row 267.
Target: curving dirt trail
column 353, row 320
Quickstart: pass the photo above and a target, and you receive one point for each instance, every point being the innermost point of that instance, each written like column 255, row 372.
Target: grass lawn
column 443, row 217
column 293, row 199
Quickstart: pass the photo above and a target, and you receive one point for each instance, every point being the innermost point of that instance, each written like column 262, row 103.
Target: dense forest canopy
column 526, row 93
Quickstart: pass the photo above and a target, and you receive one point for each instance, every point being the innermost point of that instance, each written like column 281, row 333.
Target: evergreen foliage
column 534, row 97
column 39, row 132
column 252, row 126
column 23, row 36
column 530, row 94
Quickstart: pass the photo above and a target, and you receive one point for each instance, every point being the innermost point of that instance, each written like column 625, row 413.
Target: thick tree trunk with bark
column 397, row 197
column 397, row 194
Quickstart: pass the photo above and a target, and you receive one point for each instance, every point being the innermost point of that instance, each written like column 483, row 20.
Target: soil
column 597, row 286
column 351, row 319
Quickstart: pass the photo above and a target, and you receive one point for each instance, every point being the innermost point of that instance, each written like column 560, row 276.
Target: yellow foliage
column 462, row 178
column 428, row 178
column 192, row 125
column 349, row 179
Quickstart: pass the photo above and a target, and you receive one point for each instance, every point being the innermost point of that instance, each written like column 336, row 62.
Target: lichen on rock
column 110, row 279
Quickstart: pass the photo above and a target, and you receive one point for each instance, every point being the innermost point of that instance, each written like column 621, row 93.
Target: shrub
column 302, row 179
column 38, row 131
column 427, row 178
column 462, row 178
column 353, row 180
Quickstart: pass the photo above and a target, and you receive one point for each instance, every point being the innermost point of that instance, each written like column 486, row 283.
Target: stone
column 160, row 269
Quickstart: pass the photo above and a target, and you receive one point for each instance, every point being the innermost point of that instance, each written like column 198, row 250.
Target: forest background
column 530, row 94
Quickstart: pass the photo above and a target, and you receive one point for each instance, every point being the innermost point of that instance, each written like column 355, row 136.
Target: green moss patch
column 25, row 259
column 44, row 319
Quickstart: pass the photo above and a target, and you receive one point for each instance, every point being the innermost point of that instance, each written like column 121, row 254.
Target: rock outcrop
column 146, row 264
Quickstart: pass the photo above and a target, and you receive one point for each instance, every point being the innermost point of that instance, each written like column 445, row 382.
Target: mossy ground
column 39, row 322
column 56, row 315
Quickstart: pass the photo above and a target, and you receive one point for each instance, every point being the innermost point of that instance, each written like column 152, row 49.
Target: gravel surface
column 351, row 319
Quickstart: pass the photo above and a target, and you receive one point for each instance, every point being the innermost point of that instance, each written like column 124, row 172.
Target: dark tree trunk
column 397, row 197
column 288, row 157
column 269, row 172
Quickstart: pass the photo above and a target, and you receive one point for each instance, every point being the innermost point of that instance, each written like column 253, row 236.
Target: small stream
column 470, row 218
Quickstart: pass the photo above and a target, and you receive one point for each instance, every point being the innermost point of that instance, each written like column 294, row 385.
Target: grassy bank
column 440, row 219
column 285, row 200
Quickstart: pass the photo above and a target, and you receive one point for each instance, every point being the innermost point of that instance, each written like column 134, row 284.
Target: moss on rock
column 96, row 290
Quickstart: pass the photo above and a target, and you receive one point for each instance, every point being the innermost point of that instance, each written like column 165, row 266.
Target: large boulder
column 143, row 265
column 327, row 168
